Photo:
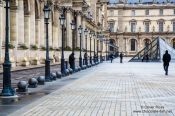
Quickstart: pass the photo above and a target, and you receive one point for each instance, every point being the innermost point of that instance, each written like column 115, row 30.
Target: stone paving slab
column 128, row 89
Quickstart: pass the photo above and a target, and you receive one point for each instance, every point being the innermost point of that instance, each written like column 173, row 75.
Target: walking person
column 166, row 60
column 121, row 57
column 86, row 58
column 71, row 60
column 111, row 57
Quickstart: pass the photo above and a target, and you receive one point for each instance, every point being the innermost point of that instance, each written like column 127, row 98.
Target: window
column 147, row 27
column 173, row 26
column 133, row 13
column 133, row 44
column 174, row 43
column 147, row 12
column 161, row 12
column 111, row 13
column 160, row 26
column 133, row 26
column 111, row 26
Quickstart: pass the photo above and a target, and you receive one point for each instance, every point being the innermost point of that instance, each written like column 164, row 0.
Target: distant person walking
column 71, row 60
column 121, row 57
column 166, row 60
column 111, row 57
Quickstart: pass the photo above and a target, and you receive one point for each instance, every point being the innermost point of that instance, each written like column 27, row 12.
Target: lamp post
column 85, row 33
column 90, row 35
column 62, row 22
column 47, row 61
column 80, row 29
column 73, row 26
column 97, row 48
column 106, row 50
column 101, row 42
column 94, row 48
column 7, row 88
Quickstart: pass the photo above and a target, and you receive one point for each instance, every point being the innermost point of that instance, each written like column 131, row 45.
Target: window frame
column 161, row 12
column 133, row 45
column 111, row 29
column 161, row 26
column 133, row 29
column 133, row 13
column 111, row 12
column 147, row 12
column 147, row 27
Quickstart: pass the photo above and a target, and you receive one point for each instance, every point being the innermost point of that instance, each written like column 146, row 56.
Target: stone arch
column 112, row 42
column 37, row 9
column 173, row 43
column 26, row 7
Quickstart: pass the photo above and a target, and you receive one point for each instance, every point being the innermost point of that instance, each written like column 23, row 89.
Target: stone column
column 37, row 31
column 78, row 24
column 27, row 30
column 50, row 34
column 21, row 24
column 59, row 37
column 68, row 28
column 32, row 22
column 14, row 25
column 42, row 32
column 56, row 28
column 83, row 36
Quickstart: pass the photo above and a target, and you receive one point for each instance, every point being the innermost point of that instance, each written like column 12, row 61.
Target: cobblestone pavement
column 111, row 89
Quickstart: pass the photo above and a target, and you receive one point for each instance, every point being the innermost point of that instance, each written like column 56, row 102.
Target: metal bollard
column 41, row 80
column 32, row 83
column 22, row 86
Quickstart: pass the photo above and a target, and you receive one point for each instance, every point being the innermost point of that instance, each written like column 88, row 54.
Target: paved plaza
column 111, row 89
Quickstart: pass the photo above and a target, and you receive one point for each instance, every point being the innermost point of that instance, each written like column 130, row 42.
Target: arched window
column 133, row 44
column 112, row 42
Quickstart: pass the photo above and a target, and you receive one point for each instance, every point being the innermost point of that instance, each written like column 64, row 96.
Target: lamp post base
column 80, row 62
column 8, row 91
column 62, row 67
column 47, row 71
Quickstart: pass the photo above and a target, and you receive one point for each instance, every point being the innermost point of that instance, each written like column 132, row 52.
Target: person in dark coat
column 86, row 58
column 166, row 60
column 121, row 57
column 111, row 57
column 71, row 60
column 147, row 58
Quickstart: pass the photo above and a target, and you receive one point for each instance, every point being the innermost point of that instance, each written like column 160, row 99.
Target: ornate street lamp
column 47, row 11
column 106, row 49
column 80, row 30
column 73, row 26
column 62, row 22
column 90, row 35
column 101, row 46
column 7, row 88
column 97, row 48
column 94, row 48
column 85, row 33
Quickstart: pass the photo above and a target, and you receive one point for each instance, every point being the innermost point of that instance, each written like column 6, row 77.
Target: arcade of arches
column 27, row 29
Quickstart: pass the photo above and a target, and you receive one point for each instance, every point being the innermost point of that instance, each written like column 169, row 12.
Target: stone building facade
column 135, row 25
column 27, row 28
